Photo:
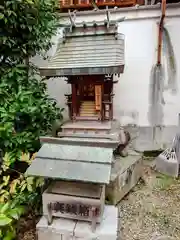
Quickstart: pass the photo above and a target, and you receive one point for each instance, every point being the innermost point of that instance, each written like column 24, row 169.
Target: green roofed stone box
column 79, row 176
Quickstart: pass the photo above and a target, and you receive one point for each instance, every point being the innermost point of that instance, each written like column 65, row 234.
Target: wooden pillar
column 74, row 101
column 102, row 105
column 111, row 113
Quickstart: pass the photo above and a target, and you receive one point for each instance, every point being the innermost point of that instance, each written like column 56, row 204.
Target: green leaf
column 20, row 210
column 30, row 180
column 39, row 182
column 1, row 15
column 14, row 213
column 10, row 235
column 29, row 187
column 4, row 208
column 4, row 220
column 23, row 187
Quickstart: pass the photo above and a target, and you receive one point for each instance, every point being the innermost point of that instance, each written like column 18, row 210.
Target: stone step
column 89, row 118
column 87, row 125
column 86, row 131
column 71, row 229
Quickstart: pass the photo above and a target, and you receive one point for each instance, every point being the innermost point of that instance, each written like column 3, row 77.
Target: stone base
column 63, row 229
column 125, row 174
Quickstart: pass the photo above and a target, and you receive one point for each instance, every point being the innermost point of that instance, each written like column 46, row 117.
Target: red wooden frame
column 78, row 4
column 78, row 95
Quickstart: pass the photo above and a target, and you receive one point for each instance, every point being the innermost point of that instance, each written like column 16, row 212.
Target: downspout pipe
column 160, row 31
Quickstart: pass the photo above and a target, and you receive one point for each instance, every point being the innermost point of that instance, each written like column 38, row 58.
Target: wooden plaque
column 98, row 97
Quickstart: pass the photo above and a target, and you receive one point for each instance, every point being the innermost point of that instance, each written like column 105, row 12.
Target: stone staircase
column 86, row 127
column 87, row 110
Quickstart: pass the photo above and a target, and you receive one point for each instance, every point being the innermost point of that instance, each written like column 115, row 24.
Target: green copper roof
column 87, row 50
column 67, row 170
column 80, row 163
column 75, row 153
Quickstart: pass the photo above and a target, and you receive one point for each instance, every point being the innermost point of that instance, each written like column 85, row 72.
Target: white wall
column 131, row 101
column 132, row 91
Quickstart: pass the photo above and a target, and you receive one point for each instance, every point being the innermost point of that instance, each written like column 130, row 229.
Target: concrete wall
column 131, row 101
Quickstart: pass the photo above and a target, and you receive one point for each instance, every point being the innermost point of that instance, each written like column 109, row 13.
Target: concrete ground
column 151, row 209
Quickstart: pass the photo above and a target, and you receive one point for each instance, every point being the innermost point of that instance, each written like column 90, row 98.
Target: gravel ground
column 150, row 210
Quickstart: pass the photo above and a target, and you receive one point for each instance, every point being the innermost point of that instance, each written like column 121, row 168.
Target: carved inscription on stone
column 77, row 209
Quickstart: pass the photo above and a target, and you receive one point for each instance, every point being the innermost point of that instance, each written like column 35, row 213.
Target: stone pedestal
column 126, row 171
column 63, row 229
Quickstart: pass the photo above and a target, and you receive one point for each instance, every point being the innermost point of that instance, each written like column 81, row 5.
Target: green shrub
column 26, row 112
column 16, row 195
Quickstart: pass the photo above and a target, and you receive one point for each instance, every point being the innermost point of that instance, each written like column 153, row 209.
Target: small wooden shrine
column 88, row 56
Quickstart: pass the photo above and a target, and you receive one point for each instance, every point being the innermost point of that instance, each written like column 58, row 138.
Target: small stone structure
column 76, row 195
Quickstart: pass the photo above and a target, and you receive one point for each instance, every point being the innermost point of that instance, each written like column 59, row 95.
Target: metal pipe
column 160, row 31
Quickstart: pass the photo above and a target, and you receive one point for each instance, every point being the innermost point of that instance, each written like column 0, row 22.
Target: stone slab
column 125, row 174
column 60, row 229
column 63, row 229
column 83, row 140
column 75, row 153
column 87, row 125
column 106, row 230
column 70, row 170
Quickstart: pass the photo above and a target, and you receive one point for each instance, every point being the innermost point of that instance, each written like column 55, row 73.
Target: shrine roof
column 70, row 162
column 87, row 49
column 75, row 153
